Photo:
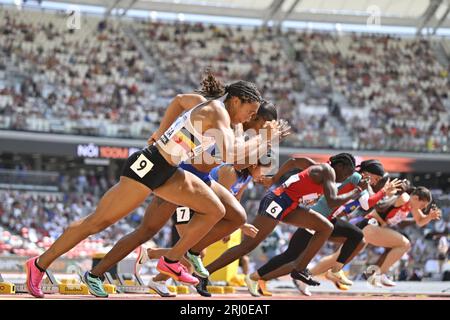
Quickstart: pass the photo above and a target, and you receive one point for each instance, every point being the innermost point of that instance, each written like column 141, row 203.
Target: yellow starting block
column 110, row 288
column 237, row 280
column 182, row 290
column 68, row 281
column 172, row 289
column 7, row 288
column 215, row 250
column 229, row 289
column 79, row 288
column 215, row 289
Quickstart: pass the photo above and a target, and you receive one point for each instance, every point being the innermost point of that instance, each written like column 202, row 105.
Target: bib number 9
column 141, row 166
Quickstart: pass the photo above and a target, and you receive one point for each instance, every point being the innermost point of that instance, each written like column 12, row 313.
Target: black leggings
column 300, row 239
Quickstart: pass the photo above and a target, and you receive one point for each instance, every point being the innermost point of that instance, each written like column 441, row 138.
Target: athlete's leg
column 115, row 204
column 388, row 238
column 309, row 219
column 158, row 253
column 265, row 225
column 354, row 239
column 156, row 216
column 245, row 261
column 185, row 189
column 235, row 217
column 282, row 262
column 383, row 257
column 303, row 218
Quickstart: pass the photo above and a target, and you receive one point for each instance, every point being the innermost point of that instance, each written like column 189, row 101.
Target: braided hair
column 345, row 158
column 212, row 88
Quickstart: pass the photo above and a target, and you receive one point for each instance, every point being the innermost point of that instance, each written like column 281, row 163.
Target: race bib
column 141, row 166
column 274, row 209
column 308, row 199
column 183, row 214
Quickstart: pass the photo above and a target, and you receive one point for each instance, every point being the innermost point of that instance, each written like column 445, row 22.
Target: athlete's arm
column 389, row 189
column 234, row 150
column 330, row 189
column 395, row 201
column 422, row 219
column 293, row 163
column 227, row 176
column 177, row 106
column 241, row 192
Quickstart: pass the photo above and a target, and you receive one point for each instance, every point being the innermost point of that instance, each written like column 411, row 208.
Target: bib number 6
column 274, row 209
column 142, row 166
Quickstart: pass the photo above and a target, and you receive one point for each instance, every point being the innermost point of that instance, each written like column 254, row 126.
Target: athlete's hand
column 435, row 213
column 392, row 187
column 284, row 128
column 249, row 230
column 271, row 131
column 277, row 130
column 364, row 183
column 153, row 138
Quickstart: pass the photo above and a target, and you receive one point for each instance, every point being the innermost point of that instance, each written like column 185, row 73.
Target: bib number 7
column 183, row 214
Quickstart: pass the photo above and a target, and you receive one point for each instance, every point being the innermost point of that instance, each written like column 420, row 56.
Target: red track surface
column 278, row 296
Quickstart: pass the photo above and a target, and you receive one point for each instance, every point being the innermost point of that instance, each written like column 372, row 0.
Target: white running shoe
column 385, row 281
column 338, row 277
column 141, row 259
column 302, row 287
column 160, row 288
column 375, row 280
column 252, row 286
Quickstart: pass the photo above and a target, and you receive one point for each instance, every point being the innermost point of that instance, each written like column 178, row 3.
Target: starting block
column 182, row 290
column 215, row 289
column 79, row 288
column 229, row 289
column 6, row 287
column 128, row 286
column 110, row 288
column 68, row 286
column 172, row 289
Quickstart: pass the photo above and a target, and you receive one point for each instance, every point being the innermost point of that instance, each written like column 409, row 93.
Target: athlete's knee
column 369, row 231
column 290, row 255
column 357, row 236
column 326, row 227
column 218, row 212
column 238, row 217
column 406, row 244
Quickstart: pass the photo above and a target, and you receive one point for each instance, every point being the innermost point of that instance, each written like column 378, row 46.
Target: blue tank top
column 205, row 176
column 237, row 185
column 321, row 205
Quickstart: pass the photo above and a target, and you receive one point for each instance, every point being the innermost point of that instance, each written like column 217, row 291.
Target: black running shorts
column 148, row 167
